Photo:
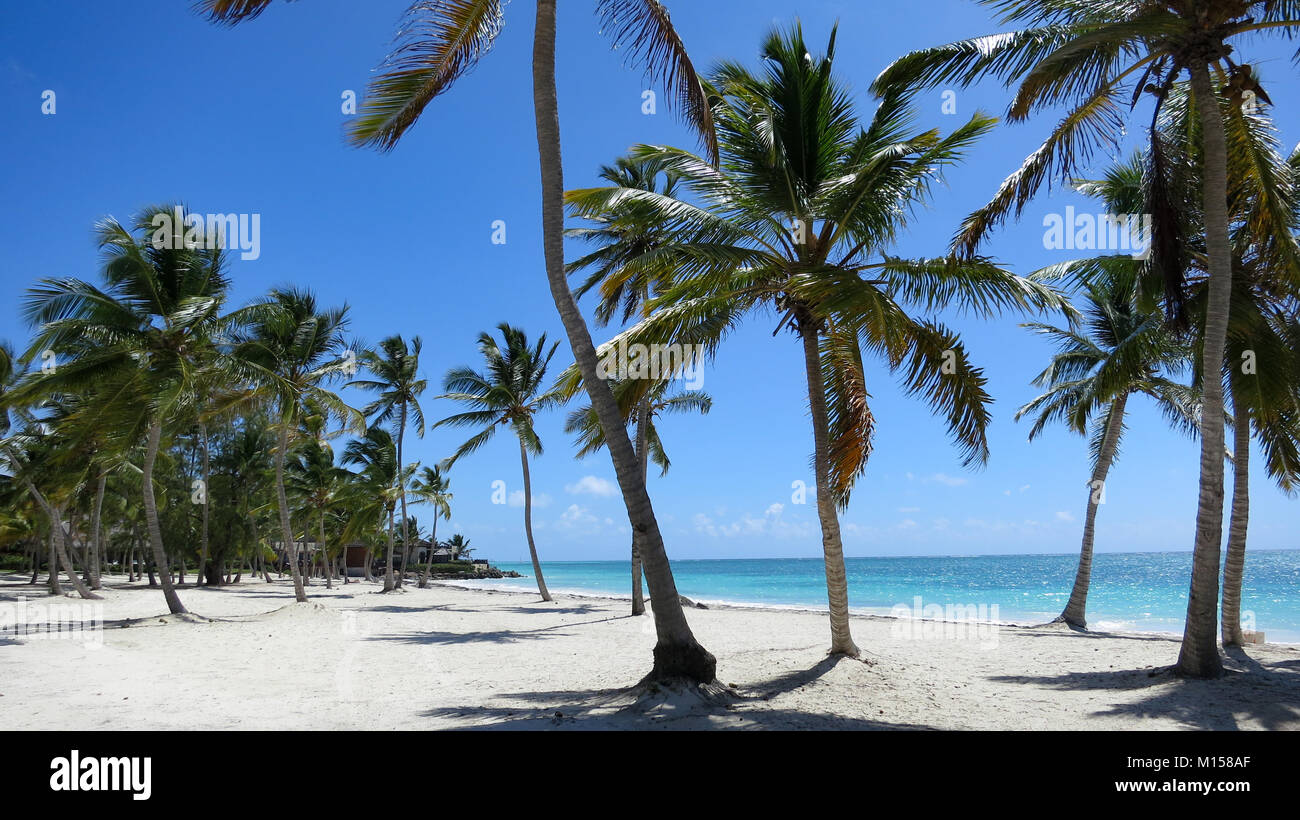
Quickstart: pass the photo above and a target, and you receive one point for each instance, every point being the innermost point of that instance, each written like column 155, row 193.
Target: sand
column 448, row 657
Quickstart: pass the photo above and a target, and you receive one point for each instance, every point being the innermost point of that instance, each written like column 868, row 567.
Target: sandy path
column 448, row 657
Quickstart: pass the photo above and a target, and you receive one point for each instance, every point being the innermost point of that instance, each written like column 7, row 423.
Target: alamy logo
column 176, row 230
column 656, row 361
column 75, row 773
column 1098, row 232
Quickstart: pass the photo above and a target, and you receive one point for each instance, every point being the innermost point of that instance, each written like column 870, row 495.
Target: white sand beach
column 448, row 657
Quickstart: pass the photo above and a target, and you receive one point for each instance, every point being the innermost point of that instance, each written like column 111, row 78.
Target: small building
column 354, row 559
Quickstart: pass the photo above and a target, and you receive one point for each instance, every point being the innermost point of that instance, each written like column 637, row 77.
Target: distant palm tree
column 292, row 349
column 439, row 43
column 508, row 392
column 1125, row 353
column 432, row 486
column 459, row 546
column 1095, row 57
column 396, row 368
column 312, row 477
column 375, row 490
column 657, row 400
column 805, row 202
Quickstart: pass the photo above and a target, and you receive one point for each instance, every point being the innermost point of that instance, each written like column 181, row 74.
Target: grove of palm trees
column 930, row 469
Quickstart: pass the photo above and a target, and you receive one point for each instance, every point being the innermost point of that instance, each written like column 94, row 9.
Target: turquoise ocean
column 1130, row 592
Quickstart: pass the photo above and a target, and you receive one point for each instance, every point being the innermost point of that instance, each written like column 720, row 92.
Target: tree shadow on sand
column 502, row 636
column 1267, row 694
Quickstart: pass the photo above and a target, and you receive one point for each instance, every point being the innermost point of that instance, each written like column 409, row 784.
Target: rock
column 689, row 603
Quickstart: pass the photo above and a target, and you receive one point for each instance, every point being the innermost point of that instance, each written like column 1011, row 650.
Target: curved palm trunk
column 151, row 521
column 643, row 459
column 1234, row 564
column 433, row 540
column 837, row 585
column 1076, row 608
column 528, row 523
column 676, row 654
column 203, row 540
column 401, row 477
column 96, row 546
column 286, row 529
column 59, row 551
column 1199, row 656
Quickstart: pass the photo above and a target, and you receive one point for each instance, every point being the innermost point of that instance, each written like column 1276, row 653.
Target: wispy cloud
column 592, row 485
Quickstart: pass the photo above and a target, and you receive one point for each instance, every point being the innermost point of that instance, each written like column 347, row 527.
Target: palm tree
column 459, row 546
column 1085, row 54
column 433, row 487
column 374, row 491
column 440, row 42
column 292, row 350
column 805, row 201
column 313, row 478
column 1126, row 353
column 657, row 400
column 508, row 392
column 396, row 368
column 139, row 343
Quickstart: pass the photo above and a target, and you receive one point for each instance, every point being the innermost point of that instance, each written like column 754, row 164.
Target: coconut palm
column 312, row 478
column 139, row 342
column 507, row 392
column 1124, row 353
column 374, row 491
column 806, row 201
column 396, row 370
column 293, row 349
column 459, row 546
column 657, row 400
column 1094, row 57
column 439, row 42
column 433, row 487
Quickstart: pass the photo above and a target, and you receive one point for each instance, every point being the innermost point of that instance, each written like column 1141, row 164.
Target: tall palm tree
column 313, row 479
column 440, row 42
column 292, row 350
column 374, row 491
column 507, row 392
column 1126, row 352
column 139, row 342
column 805, row 202
column 433, row 487
column 1095, row 57
column 396, row 370
column 657, row 400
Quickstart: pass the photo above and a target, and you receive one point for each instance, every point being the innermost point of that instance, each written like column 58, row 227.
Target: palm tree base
column 1072, row 622
column 682, row 662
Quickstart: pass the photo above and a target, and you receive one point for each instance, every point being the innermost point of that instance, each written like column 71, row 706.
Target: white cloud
column 951, row 481
column 540, row 500
column 592, row 485
column 1064, row 516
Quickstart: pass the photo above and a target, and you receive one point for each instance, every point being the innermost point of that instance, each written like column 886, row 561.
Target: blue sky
column 157, row 105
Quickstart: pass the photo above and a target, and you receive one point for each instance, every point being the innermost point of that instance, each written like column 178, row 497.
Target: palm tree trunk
column 286, row 529
column 1235, row 563
column 52, row 568
column 65, row 560
column 528, row 523
column 1199, row 656
column 388, row 569
column 837, row 585
column 643, row 458
column 1076, row 608
column 96, row 546
column 401, row 477
column 433, row 545
column 203, row 539
column 151, row 519
column 676, row 654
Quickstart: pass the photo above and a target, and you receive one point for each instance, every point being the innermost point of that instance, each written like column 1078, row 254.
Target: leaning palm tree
column 396, row 370
column 433, row 487
column 1125, row 352
column 1095, row 57
column 139, row 342
column 806, row 201
column 440, row 41
column 658, row 400
column 374, row 491
column 507, row 392
column 292, row 350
